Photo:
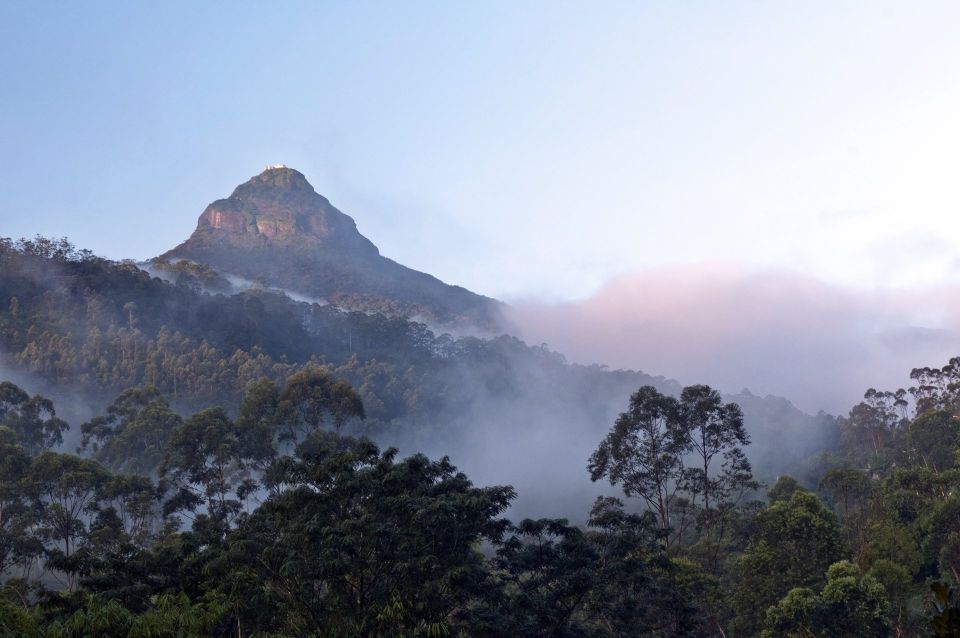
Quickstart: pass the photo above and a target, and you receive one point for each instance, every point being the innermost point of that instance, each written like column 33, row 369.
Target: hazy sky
column 518, row 148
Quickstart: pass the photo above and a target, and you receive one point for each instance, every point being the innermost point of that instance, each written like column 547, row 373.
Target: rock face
column 276, row 229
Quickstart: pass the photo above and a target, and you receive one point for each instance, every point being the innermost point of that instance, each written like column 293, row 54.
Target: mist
column 771, row 331
column 537, row 438
column 532, row 421
column 72, row 404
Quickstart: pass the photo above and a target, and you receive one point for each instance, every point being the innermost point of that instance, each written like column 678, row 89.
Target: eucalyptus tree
column 313, row 398
column 33, row 419
column 66, row 489
column 17, row 514
column 644, row 452
column 846, row 486
column 133, row 434
column 208, row 461
column 715, row 431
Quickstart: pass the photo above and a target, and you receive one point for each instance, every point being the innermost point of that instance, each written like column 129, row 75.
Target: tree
column 133, row 435
column 549, row 567
column 32, row 419
column 942, row 531
column 850, row 604
column 17, row 516
column 845, row 486
column 945, row 622
column 310, row 398
column 937, row 388
column 792, row 545
column 783, row 489
column 66, row 487
column 638, row 589
column 257, row 421
column 933, row 438
column 873, row 422
column 363, row 544
column 644, row 452
column 206, row 459
column 714, row 429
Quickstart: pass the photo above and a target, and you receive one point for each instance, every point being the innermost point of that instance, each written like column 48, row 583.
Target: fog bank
column 774, row 332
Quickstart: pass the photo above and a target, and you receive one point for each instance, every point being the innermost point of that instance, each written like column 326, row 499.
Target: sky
column 531, row 151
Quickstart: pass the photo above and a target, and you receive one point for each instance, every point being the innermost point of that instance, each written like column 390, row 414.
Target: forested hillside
column 233, row 475
column 273, row 523
column 72, row 322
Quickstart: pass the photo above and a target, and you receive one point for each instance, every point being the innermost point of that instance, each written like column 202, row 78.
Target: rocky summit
column 277, row 230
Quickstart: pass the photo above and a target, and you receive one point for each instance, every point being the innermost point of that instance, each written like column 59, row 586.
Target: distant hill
column 276, row 230
column 74, row 326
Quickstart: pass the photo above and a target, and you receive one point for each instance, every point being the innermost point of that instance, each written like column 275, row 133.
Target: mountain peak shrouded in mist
column 277, row 229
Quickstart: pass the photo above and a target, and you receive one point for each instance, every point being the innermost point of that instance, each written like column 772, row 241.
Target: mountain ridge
column 277, row 229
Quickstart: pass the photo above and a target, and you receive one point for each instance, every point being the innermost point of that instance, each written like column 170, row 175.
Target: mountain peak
column 275, row 177
column 274, row 227
column 277, row 209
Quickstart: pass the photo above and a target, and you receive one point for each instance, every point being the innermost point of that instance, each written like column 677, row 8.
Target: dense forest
column 233, row 476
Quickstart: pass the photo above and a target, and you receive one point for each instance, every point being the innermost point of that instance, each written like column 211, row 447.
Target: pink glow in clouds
column 773, row 332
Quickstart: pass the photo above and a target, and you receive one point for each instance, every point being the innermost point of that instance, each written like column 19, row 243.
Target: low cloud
column 775, row 332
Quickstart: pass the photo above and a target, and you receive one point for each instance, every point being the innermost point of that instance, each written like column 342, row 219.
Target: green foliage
column 549, row 567
column 18, row 622
column 932, row 439
column 351, row 540
column 133, row 435
column 192, row 275
column 17, row 516
column 784, row 489
column 644, row 451
column 208, row 459
column 646, row 448
column 850, row 604
column 311, row 397
column 32, row 419
column 168, row 616
column 847, row 487
column 792, row 545
column 368, row 544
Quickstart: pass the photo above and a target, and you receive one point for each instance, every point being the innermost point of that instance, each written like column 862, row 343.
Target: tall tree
column 715, row 429
column 66, row 488
column 206, row 460
column 17, row 517
column 313, row 397
column 133, row 434
column 644, row 452
column 792, row 545
column 257, row 422
column 32, row 418
column 361, row 543
column 846, row 486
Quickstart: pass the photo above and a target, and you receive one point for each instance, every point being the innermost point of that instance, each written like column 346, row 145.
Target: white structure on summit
column 273, row 166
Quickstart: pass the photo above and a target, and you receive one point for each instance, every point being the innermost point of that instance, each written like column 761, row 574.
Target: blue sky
column 522, row 149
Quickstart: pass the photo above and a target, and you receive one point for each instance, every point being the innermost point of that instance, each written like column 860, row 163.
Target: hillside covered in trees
column 274, row 523
column 231, row 471
column 72, row 323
